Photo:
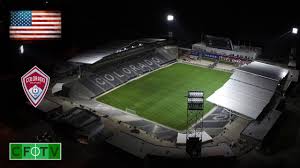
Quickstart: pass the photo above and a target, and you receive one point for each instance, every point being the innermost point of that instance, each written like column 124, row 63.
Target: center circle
column 35, row 151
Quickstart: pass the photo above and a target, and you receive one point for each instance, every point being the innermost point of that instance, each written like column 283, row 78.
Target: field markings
column 144, row 117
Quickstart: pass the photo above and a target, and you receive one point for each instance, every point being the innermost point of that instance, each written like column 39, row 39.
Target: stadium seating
column 90, row 84
column 110, row 76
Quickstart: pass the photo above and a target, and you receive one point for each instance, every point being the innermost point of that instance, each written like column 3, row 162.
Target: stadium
column 149, row 84
column 134, row 95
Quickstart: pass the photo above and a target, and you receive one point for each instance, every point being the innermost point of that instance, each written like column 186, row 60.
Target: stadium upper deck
column 223, row 49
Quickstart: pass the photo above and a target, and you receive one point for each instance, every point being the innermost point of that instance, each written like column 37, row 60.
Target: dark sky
column 86, row 23
column 115, row 19
column 90, row 22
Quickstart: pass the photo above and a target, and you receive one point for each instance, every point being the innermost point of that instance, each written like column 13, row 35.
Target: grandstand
column 101, row 74
column 222, row 50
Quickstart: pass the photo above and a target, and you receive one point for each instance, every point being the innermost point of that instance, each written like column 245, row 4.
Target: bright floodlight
column 295, row 30
column 170, row 18
column 21, row 49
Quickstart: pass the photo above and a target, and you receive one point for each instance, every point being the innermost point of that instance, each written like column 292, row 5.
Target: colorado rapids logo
column 35, row 85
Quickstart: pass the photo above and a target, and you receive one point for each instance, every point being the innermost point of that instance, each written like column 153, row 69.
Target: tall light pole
column 293, row 52
column 288, row 44
column 294, row 31
column 21, row 49
column 170, row 19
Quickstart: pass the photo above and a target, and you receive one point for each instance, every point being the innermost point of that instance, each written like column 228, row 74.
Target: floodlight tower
column 292, row 55
column 170, row 20
column 21, row 49
column 195, row 106
column 294, row 31
column 293, row 52
column 290, row 37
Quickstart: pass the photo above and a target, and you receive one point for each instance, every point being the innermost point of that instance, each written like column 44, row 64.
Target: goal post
column 131, row 111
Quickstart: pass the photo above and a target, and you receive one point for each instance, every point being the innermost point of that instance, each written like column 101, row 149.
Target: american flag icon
column 35, row 25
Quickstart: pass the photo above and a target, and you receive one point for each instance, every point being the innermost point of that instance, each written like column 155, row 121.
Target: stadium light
column 195, row 105
column 170, row 18
column 21, row 49
column 295, row 30
column 195, row 100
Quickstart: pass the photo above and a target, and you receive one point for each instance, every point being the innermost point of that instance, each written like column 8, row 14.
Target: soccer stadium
column 140, row 93
column 148, row 84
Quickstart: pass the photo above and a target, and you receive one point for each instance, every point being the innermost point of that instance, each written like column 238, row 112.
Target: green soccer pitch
column 160, row 96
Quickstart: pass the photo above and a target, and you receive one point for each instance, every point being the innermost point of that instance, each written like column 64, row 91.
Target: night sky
column 88, row 23
column 249, row 20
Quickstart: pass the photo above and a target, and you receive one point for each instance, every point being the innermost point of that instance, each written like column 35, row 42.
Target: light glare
column 21, row 49
column 170, row 17
column 295, row 30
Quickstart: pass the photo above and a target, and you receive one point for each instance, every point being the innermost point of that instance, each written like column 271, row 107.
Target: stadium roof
column 95, row 55
column 242, row 98
column 90, row 58
column 266, row 70
column 151, row 40
column 255, row 80
column 248, row 91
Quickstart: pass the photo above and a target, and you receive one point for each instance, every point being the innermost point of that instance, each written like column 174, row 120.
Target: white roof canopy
column 243, row 98
column 248, row 93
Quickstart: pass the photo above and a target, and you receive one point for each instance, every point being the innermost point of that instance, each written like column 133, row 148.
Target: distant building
column 222, row 49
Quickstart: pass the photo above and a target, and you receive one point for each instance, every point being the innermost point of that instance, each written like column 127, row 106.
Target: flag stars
column 21, row 18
